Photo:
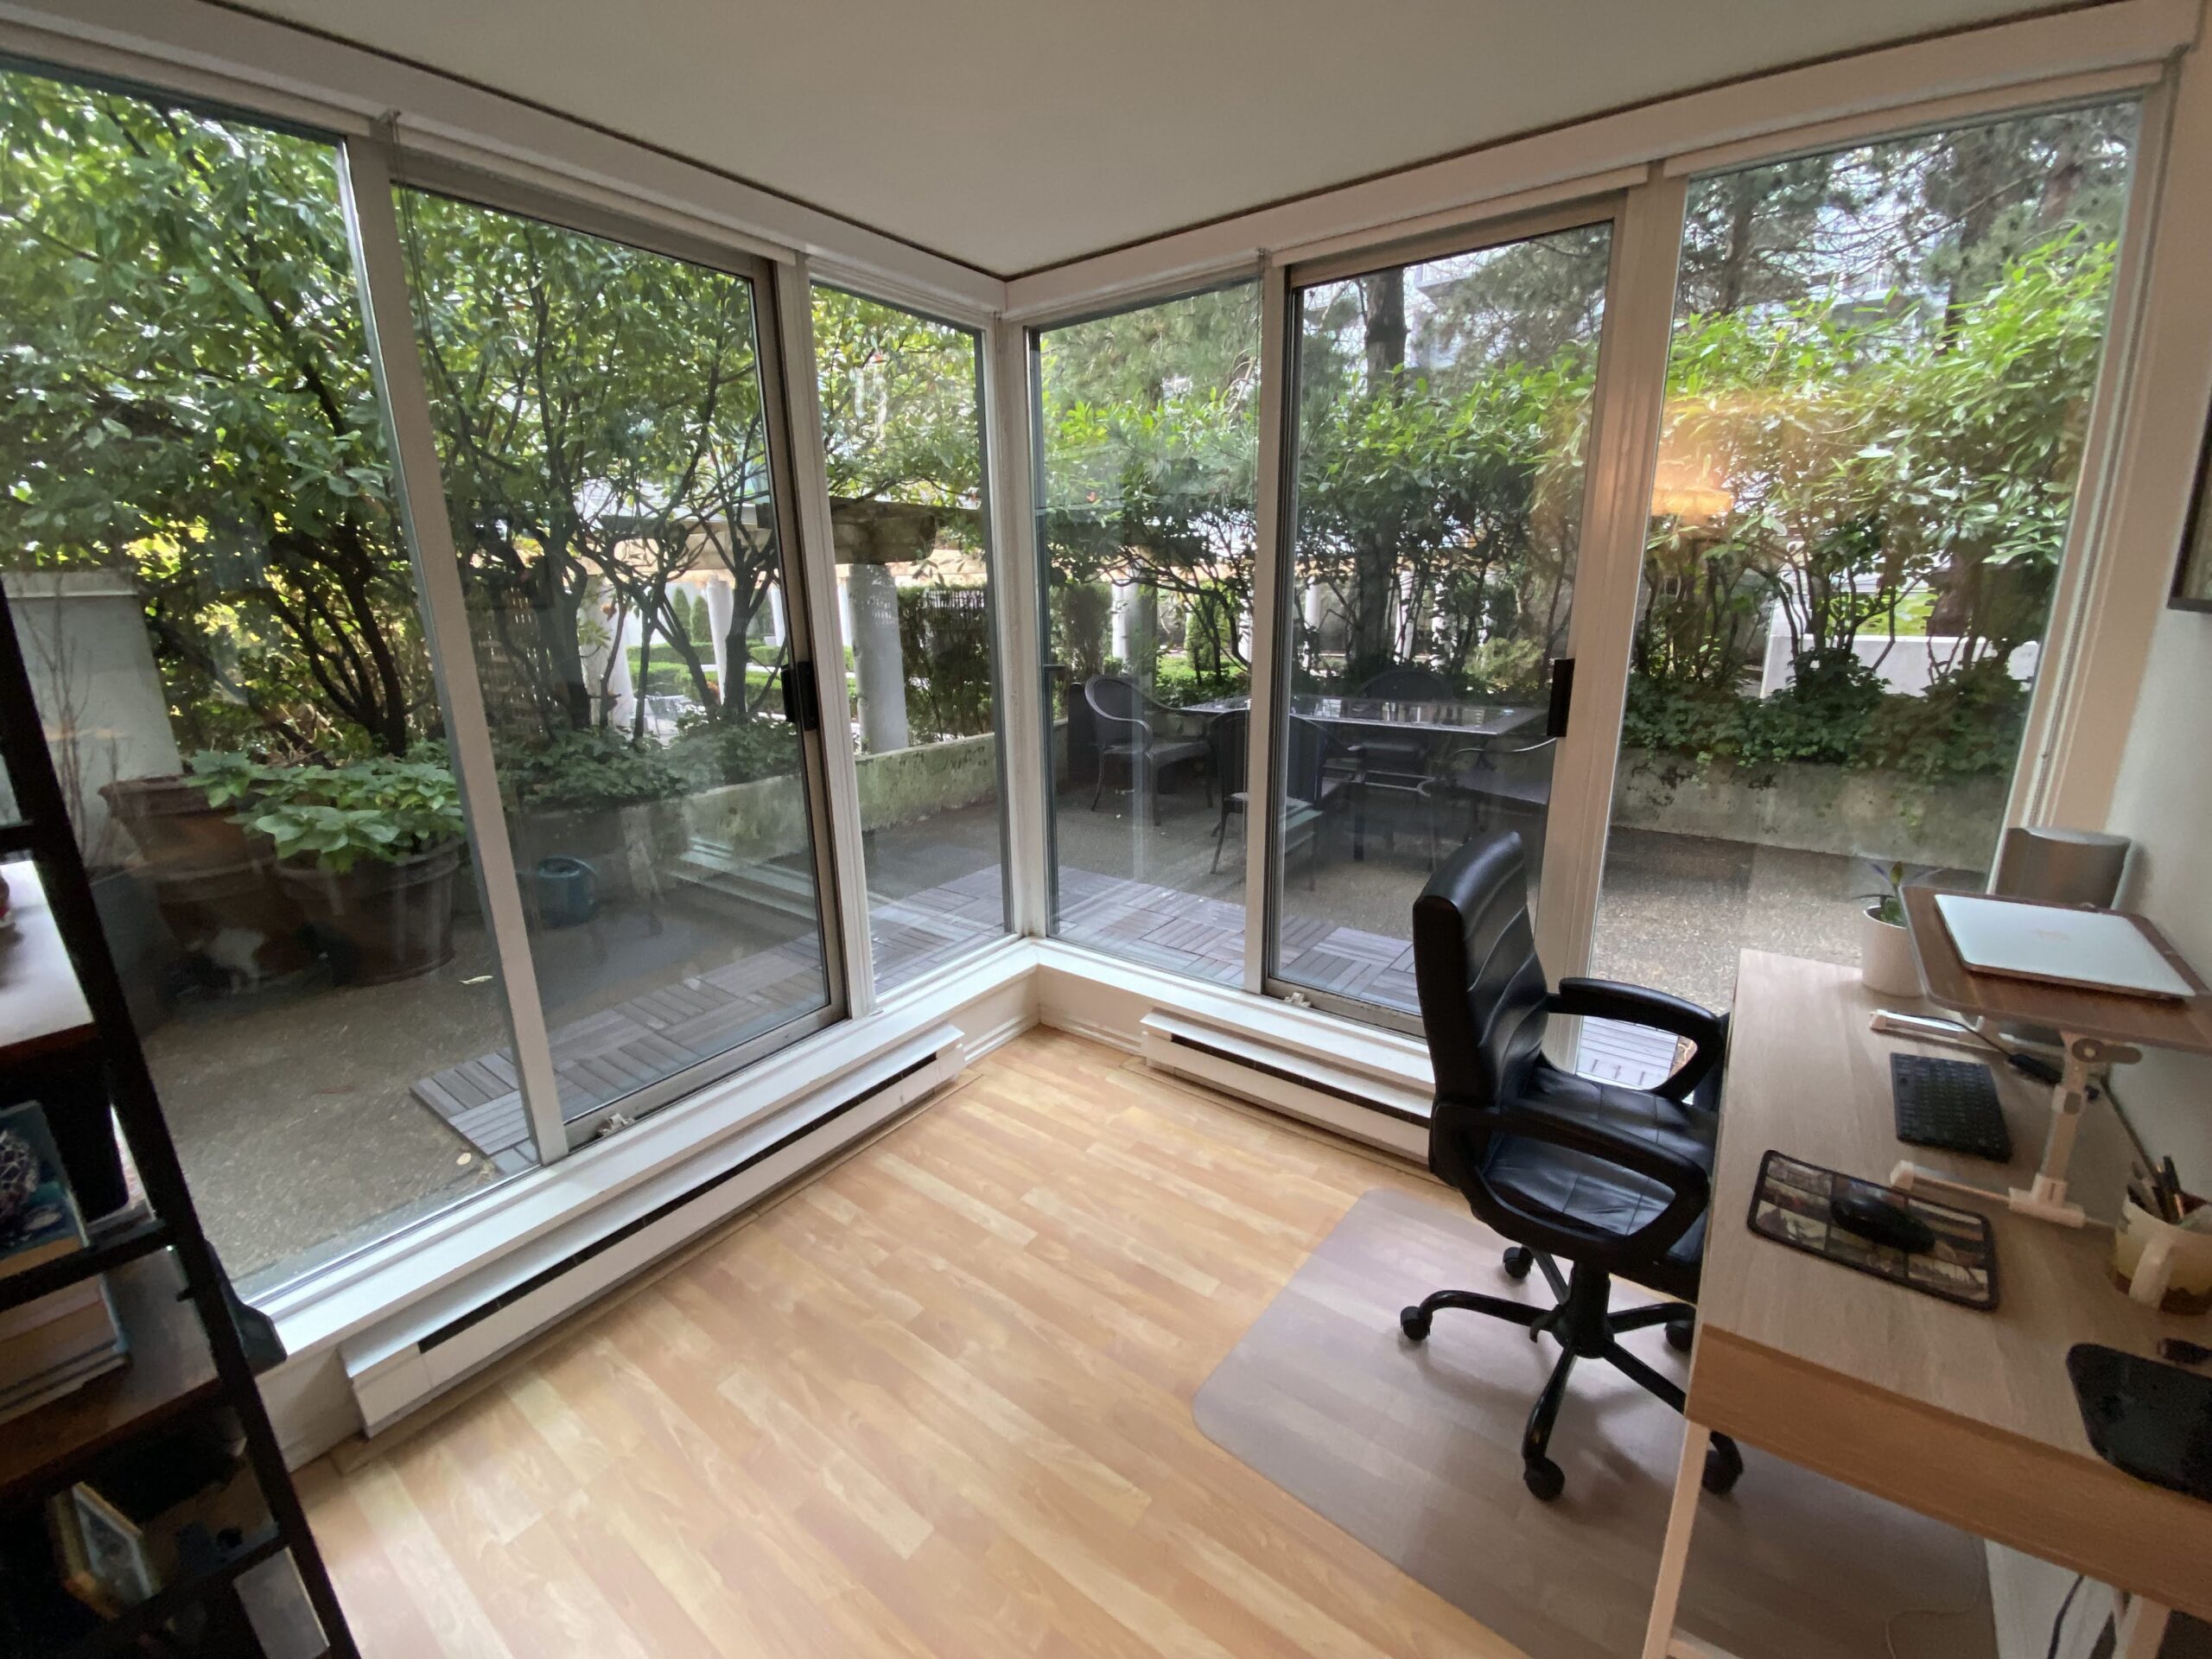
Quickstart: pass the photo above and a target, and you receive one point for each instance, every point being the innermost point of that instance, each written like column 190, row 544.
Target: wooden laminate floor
column 936, row 1402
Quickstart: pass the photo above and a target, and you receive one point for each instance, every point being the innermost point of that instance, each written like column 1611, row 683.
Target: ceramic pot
column 1886, row 963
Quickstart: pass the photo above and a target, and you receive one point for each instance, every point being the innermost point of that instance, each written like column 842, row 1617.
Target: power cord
column 2058, row 1623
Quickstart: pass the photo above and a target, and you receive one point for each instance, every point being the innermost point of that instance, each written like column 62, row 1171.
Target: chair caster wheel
column 1545, row 1479
column 1414, row 1324
column 1679, row 1334
column 1518, row 1261
column 1724, row 1466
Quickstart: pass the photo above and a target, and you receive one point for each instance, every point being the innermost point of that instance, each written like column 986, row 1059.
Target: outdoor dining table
column 1441, row 718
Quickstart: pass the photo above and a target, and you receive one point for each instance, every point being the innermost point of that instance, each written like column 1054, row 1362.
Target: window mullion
column 817, row 552
column 419, row 493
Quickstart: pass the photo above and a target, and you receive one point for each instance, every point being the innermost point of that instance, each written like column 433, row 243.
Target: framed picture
column 2193, row 576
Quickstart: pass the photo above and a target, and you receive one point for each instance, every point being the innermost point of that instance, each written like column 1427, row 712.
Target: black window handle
column 1563, row 696
column 802, row 700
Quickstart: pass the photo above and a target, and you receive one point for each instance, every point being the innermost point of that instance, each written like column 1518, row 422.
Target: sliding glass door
column 1877, row 396
column 608, row 429
column 1440, row 417
column 1147, row 450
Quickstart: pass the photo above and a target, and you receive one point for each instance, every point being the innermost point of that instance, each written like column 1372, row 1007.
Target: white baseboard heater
column 457, row 1333
column 1349, row 1100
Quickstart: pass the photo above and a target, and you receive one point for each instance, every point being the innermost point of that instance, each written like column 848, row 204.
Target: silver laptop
column 2100, row 949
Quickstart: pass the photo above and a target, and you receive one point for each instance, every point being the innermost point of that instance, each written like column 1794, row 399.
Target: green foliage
column 713, row 752
column 1082, row 613
column 586, row 769
column 381, row 809
column 1888, row 890
column 944, row 649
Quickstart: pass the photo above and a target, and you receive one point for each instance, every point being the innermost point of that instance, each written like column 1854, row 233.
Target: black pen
column 2173, row 1190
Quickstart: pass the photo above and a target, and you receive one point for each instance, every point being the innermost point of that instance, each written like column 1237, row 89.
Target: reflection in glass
column 604, row 447
column 1442, row 420
column 1147, row 453
column 220, row 619
column 1876, row 391
column 901, row 409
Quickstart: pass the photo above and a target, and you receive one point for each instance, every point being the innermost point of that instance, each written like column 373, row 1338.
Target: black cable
column 2058, row 1625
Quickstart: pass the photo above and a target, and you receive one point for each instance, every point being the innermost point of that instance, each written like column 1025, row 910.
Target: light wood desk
column 1962, row 1416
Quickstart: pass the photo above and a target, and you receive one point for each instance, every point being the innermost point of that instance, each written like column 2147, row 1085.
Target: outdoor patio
column 289, row 1173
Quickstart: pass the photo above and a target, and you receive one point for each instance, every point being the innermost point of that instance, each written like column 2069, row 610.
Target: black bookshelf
column 188, row 1353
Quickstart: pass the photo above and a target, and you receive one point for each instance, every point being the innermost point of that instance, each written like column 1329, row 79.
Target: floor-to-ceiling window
column 1441, row 421
column 1147, row 452
column 1878, row 388
column 608, row 450
column 901, row 406
column 221, row 620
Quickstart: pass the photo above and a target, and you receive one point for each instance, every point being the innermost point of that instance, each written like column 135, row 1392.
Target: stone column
column 719, row 607
column 873, row 597
column 1124, row 591
column 776, row 611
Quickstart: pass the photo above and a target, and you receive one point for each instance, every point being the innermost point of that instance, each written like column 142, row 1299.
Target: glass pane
column 1148, row 454
column 1443, row 416
column 1876, row 391
column 900, row 405
column 220, row 616
column 604, row 444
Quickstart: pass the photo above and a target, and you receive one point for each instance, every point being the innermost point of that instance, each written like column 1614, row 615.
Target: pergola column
column 719, row 608
column 874, row 596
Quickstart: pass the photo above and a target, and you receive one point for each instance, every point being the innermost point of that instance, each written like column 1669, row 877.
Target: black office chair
column 1614, row 1179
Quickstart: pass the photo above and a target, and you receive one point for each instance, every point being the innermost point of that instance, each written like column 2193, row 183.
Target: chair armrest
column 1638, row 1005
column 1689, row 1188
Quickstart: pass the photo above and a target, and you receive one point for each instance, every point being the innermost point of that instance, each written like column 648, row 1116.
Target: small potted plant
column 1886, row 964
column 369, row 849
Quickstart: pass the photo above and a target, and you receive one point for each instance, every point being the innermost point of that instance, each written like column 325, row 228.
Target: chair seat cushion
column 1169, row 752
column 1540, row 1176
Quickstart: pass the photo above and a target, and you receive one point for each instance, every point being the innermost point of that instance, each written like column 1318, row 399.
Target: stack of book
column 61, row 1341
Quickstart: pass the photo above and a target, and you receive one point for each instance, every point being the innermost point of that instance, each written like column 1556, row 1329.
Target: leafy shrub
column 586, row 771
column 1969, row 721
column 379, row 809
column 945, row 649
column 712, row 752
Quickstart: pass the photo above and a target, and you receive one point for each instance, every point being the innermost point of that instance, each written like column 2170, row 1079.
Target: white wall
column 2164, row 799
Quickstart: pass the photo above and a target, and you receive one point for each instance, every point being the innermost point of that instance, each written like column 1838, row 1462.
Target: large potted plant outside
column 369, row 849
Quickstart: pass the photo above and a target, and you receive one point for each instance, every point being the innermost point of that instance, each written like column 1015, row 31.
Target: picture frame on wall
column 2192, row 589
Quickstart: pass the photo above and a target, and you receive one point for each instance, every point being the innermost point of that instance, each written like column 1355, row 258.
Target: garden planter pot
column 381, row 922
column 236, row 925
column 130, row 920
column 1886, row 963
column 173, row 826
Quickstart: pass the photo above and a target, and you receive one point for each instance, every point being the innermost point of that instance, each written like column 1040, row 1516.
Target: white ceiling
column 1015, row 134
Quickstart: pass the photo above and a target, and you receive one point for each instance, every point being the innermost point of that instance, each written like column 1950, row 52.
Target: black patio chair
column 1321, row 780
column 1502, row 786
column 1398, row 762
column 1146, row 735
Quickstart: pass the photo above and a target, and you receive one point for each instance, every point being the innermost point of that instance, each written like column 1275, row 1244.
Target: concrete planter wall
column 1815, row 809
column 768, row 816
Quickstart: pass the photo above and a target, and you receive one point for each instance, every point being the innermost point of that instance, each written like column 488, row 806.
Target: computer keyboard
column 1948, row 1103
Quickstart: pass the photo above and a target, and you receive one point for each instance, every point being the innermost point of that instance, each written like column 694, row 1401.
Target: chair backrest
column 1115, row 700
column 1410, row 682
column 1482, row 988
column 1226, row 736
column 1306, row 755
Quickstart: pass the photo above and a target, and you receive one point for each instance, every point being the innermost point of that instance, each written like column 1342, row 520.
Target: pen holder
column 2160, row 1263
